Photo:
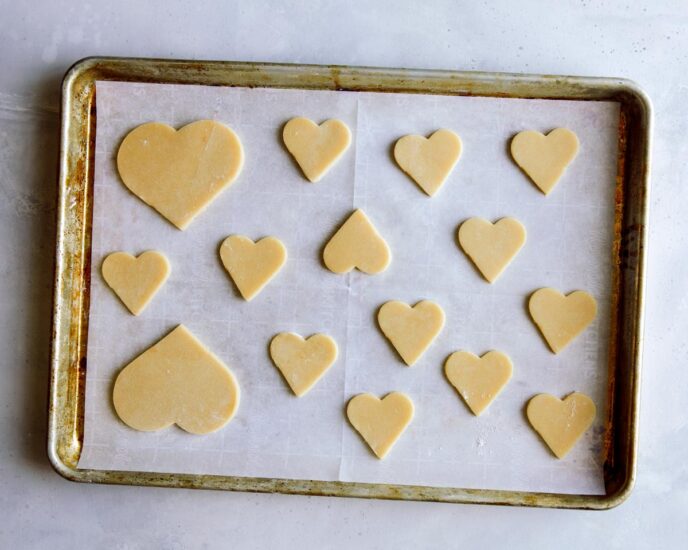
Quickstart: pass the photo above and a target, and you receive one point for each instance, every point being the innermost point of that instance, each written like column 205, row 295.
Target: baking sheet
column 277, row 435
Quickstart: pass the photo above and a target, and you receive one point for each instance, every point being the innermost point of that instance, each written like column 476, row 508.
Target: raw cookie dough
column 380, row 421
column 176, row 381
column 357, row 244
column 301, row 361
column 544, row 158
column 316, row 148
column 491, row 247
column 478, row 379
column 428, row 161
column 135, row 280
column 252, row 265
column 561, row 318
column 179, row 172
column 561, row 423
column 411, row 330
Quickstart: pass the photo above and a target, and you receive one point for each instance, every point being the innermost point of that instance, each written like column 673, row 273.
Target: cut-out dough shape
column 252, row 265
column 179, row 172
column 380, row 421
column 176, row 381
column 301, row 361
column 357, row 244
column 544, row 158
column 478, row 379
column 560, row 423
column 316, row 148
column 561, row 318
column 428, row 161
column 411, row 330
column 135, row 280
column 492, row 247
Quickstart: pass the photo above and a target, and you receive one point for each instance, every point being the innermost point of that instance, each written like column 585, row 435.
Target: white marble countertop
column 644, row 41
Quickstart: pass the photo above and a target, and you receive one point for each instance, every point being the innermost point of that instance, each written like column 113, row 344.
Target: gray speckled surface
column 646, row 42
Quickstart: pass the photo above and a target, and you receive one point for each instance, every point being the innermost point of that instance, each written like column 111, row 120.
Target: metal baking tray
column 68, row 360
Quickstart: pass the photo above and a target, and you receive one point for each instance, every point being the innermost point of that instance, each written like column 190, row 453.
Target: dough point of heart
column 380, row 421
column 135, row 280
column 179, row 172
column 176, row 381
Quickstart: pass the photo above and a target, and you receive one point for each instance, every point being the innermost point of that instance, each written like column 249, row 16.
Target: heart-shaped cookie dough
column 544, row 158
column 302, row 362
column 478, row 379
column 252, row 265
column 135, row 280
column 411, row 330
column 176, row 381
column 380, row 421
column 179, row 172
column 357, row 244
column 561, row 318
column 491, row 247
column 428, row 161
column 561, row 423
column 316, row 148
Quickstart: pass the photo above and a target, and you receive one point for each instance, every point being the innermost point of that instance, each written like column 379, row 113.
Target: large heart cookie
column 380, row 421
column 561, row 423
column 302, row 362
column 411, row 330
column 176, row 381
column 544, row 158
column 316, row 148
column 135, row 280
column 179, row 172
column 492, row 247
column 561, row 318
column 478, row 379
column 428, row 161
column 252, row 265
column 357, row 244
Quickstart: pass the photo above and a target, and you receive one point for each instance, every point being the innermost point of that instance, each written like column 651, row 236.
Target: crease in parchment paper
column 275, row 434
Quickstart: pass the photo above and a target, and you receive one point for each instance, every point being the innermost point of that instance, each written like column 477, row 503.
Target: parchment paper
column 275, row 434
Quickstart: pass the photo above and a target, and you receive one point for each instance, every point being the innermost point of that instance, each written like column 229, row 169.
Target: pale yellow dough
column 179, row 172
column 176, row 381
column 380, row 421
column 357, row 244
column 544, row 158
column 316, row 148
column 492, row 247
column 411, row 330
column 478, row 379
column 301, row 361
column 252, row 265
column 135, row 280
column 561, row 318
column 428, row 161
column 561, row 423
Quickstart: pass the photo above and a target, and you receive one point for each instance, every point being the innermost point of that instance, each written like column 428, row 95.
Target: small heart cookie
column 561, row 318
column 428, row 161
column 491, row 247
column 316, row 148
column 179, row 172
column 302, row 362
column 176, row 381
column 411, row 330
column 561, row 423
column 380, row 421
column 135, row 280
column 252, row 265
column 544, row 158
column 357, row 244
column 478, row 379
